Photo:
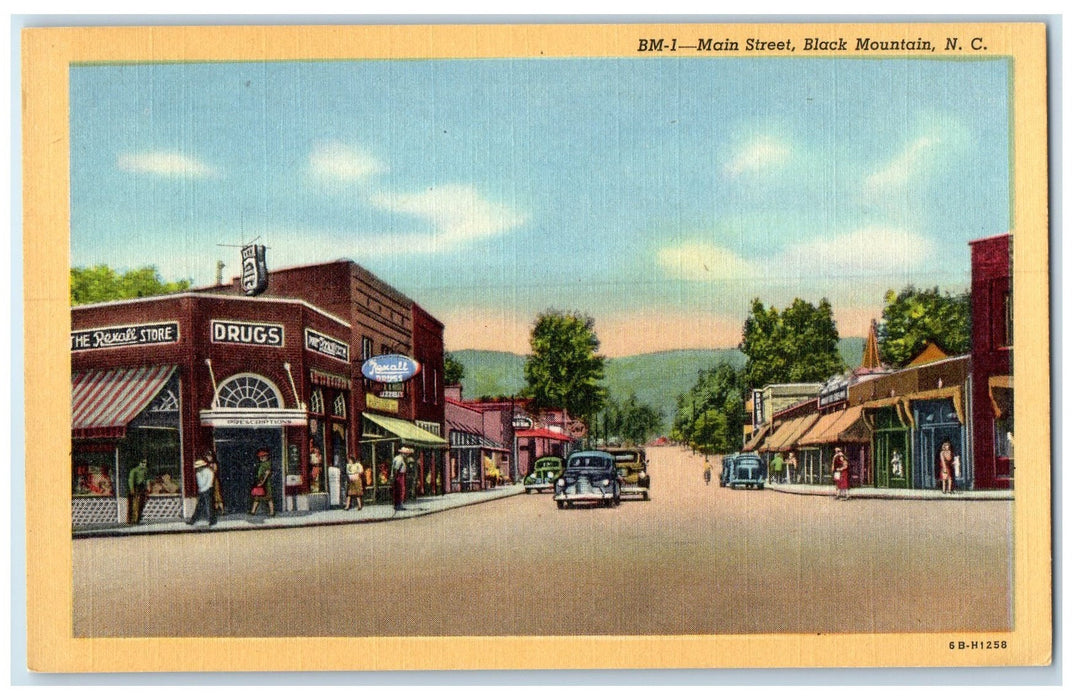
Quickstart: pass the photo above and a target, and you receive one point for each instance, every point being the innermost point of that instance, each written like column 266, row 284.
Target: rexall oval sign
column 389, row 369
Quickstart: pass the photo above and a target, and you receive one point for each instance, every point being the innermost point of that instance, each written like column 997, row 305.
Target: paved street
column 695, row 560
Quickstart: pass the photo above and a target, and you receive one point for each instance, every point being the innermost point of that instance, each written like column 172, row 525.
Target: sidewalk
column 337, row 516
column 901, row 494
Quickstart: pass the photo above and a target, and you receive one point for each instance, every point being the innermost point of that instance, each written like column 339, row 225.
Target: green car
column 544, row 473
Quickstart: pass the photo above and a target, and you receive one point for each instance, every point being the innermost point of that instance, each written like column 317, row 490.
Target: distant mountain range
column 656, row 378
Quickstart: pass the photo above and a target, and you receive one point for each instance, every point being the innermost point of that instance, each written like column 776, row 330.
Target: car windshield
column 589, row 464
column 627, row 457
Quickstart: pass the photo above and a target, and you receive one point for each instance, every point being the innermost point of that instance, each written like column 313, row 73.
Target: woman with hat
column 262, row 485
column 840, row 474
column 355, row 487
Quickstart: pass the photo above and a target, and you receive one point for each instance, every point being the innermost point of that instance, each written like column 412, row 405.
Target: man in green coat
column 137, row 484
column 775, row 470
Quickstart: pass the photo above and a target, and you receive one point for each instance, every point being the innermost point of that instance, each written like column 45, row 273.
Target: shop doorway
column 938, row 422
column 236, row 452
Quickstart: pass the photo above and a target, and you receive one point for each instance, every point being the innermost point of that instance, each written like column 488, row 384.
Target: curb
column 868, row 492
column 418, row 509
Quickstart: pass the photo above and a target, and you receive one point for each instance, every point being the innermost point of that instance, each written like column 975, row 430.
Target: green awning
column 409, row 433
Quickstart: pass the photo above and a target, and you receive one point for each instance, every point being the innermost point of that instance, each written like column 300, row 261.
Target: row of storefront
column 168, row 380
column 891, row 425
column 171, row 379
column 890, row 442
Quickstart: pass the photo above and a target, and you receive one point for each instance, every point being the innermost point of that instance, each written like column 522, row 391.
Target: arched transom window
column 248, row 391
column 339, row 406
column 316, row 401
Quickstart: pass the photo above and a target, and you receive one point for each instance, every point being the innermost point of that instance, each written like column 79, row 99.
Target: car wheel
column 561, row 504
column 528, row 491
column 760, row 486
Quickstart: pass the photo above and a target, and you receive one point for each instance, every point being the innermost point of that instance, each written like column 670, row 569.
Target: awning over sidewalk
column 850, row 427
column 103, row 402
column 954, row 393
column 543, row 433
column 816, row 435
column 409, row 433
column 755, row 440
column 1000, row 389
column 787, row 434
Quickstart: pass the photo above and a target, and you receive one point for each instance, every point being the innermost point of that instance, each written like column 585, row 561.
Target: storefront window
column 1004, row 437
column 316, row 455
column 93, row 470
column 160, row 450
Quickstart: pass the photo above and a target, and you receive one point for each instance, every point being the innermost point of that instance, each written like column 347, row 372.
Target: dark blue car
column 743, row 469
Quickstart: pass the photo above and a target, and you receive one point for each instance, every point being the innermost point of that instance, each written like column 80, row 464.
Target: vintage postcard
column 537, row 346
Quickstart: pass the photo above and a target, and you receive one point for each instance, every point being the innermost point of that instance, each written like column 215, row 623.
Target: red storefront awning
column 543, row 433
column 103, row 402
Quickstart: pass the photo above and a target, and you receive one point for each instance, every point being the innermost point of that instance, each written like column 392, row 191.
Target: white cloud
column 761, row 153
column 903, row 168
column 454, row 215
column 867, row 251
column 164, row 163
column 338, row 162
column 874, row 251
column 696, row 261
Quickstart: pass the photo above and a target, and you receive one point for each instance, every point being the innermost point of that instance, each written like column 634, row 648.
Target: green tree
column 711, row 416
column 800, row 344
column 101, row 283
column 631, row 421
column 914, row 317
column 564, row 369
column 453, row 370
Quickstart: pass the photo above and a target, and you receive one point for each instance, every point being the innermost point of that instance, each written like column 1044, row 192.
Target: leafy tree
column 564, row 369
column 453, row 370
column 711, row 416
column 632, row 421
column 800, row 344
column 914, row 317
column 102, row 283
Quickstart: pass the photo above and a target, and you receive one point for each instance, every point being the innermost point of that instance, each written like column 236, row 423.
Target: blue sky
column 658, row 195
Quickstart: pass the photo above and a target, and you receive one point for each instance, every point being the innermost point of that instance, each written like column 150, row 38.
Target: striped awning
column 786, row 436
column 817, row 434
column 103, row 402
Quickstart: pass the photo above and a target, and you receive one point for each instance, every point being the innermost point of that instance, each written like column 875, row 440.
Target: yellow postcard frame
column 46, row 55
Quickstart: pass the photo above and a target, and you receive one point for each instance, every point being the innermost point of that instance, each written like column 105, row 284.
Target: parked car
column 590, row 476
column 632, row 465
column 545, row 471
column 744, row 469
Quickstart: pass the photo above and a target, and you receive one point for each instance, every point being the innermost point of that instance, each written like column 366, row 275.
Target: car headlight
column 560, row 483
column 644, row 474
column 607, row 482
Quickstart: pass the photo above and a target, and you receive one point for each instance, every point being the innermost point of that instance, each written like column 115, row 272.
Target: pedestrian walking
column 217, row 493
column 355, row 475
column 840, row 474
column 398, row 477
column 791, row 468
column 205, row 478
column 707, row 472
column 262, row 485
column 775, row 472
column 947, row 463
column 138, row 485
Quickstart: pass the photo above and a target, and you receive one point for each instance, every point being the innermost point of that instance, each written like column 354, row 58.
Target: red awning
column 103, row 402
column 543, row 433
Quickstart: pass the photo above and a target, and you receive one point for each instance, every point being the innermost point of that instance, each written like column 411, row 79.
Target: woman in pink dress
column 840, row 474
column 946, row 467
